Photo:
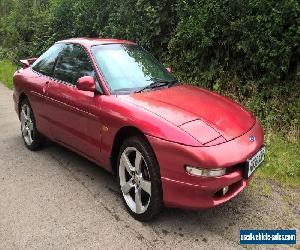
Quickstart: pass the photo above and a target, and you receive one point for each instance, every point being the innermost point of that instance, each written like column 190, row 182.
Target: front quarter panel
column 115, row 113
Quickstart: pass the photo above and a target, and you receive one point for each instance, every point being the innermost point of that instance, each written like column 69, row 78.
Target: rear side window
column 46, row 62
column 72, row 64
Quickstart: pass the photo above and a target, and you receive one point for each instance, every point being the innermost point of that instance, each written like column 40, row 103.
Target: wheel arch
column 122, row 134
column 22, row 97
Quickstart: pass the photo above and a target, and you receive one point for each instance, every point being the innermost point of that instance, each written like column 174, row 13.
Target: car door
column 71, row 112
column 42, row 71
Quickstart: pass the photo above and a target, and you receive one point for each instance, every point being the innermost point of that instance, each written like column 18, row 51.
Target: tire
column 33, row 140
column 139, row 178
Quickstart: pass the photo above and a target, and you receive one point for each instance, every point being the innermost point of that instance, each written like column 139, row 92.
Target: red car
column 169, row 144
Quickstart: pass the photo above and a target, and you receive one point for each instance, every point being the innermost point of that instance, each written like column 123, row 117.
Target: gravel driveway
column 55, row 199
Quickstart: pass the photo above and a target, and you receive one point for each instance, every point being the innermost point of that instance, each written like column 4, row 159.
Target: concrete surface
column 55, row 199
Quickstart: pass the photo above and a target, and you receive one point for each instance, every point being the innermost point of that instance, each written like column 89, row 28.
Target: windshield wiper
column 173, row 82
column 157, row 84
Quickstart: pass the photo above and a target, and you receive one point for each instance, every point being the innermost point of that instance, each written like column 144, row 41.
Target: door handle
column 45, row 86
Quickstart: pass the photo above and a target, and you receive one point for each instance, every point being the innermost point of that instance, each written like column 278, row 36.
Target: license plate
column 254, row 162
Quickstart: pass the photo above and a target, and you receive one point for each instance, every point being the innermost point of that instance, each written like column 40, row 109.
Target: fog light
column 206, row 172
column 225, row 190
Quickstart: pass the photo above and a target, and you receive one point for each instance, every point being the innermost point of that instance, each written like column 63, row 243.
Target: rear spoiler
column 27, row 62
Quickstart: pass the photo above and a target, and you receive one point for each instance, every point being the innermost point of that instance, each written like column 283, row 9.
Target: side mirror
column 169, row 69
column 86, row 83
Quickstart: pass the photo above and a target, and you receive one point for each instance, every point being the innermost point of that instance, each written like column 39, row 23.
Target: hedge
column 249, row 48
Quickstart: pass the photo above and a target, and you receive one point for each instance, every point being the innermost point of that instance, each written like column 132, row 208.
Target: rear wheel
column 32, row 138
column 139, row 179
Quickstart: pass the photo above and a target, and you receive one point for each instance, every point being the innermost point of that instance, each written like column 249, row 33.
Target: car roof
column 89, row 42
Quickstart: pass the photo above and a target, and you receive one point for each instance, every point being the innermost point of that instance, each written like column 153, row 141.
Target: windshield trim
column 130, row 90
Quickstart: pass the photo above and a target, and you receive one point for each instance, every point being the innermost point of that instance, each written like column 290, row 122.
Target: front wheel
column 32, row 138
column 139, row 179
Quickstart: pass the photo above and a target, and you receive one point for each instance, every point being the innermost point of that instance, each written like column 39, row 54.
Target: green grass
column 7, row 69
column 282, row 162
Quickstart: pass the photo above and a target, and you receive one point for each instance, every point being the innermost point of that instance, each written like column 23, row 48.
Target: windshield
column 128, row 68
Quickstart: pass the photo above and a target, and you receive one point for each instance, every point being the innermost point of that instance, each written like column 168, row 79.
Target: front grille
column 236, row 167
column 231, row 188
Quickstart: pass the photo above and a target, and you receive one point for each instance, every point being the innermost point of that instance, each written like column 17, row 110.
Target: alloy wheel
column 135, row 180
column 26, row 124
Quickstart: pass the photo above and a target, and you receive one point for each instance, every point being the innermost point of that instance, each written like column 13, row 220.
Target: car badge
column 252, row 138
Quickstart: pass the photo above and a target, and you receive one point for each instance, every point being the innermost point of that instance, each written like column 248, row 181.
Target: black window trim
column 52, row 70
column 98, row 82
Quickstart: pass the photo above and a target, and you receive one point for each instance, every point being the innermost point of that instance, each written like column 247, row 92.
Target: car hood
column 203, row 114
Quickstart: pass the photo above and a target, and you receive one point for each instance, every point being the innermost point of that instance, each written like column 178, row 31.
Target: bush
column 248, row 49
column 251, row 39
column 204, row 40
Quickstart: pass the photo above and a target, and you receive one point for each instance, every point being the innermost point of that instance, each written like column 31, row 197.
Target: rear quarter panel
column 29, row 83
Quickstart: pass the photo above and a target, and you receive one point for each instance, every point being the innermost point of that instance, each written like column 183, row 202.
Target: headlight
column 206, row 172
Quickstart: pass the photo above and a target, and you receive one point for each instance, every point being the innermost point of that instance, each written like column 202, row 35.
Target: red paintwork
column 183, row 124
column 186, row 103
column 195, row 192
column 86, row 83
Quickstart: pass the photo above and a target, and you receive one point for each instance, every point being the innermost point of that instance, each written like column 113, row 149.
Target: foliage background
column 248, row 50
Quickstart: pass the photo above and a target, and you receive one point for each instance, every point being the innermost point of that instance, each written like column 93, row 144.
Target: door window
column 72, row 64
column 46, row 62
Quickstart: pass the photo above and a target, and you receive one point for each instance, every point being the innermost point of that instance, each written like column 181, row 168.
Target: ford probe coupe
column 168, row 143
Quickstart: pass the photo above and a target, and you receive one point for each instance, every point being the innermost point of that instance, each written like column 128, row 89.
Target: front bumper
column 183, row 190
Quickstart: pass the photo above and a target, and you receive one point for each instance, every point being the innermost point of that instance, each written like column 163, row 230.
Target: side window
column 73, row 64
column 45, row 63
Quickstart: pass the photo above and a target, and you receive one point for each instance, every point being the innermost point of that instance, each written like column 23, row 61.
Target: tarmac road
column 55, row 199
